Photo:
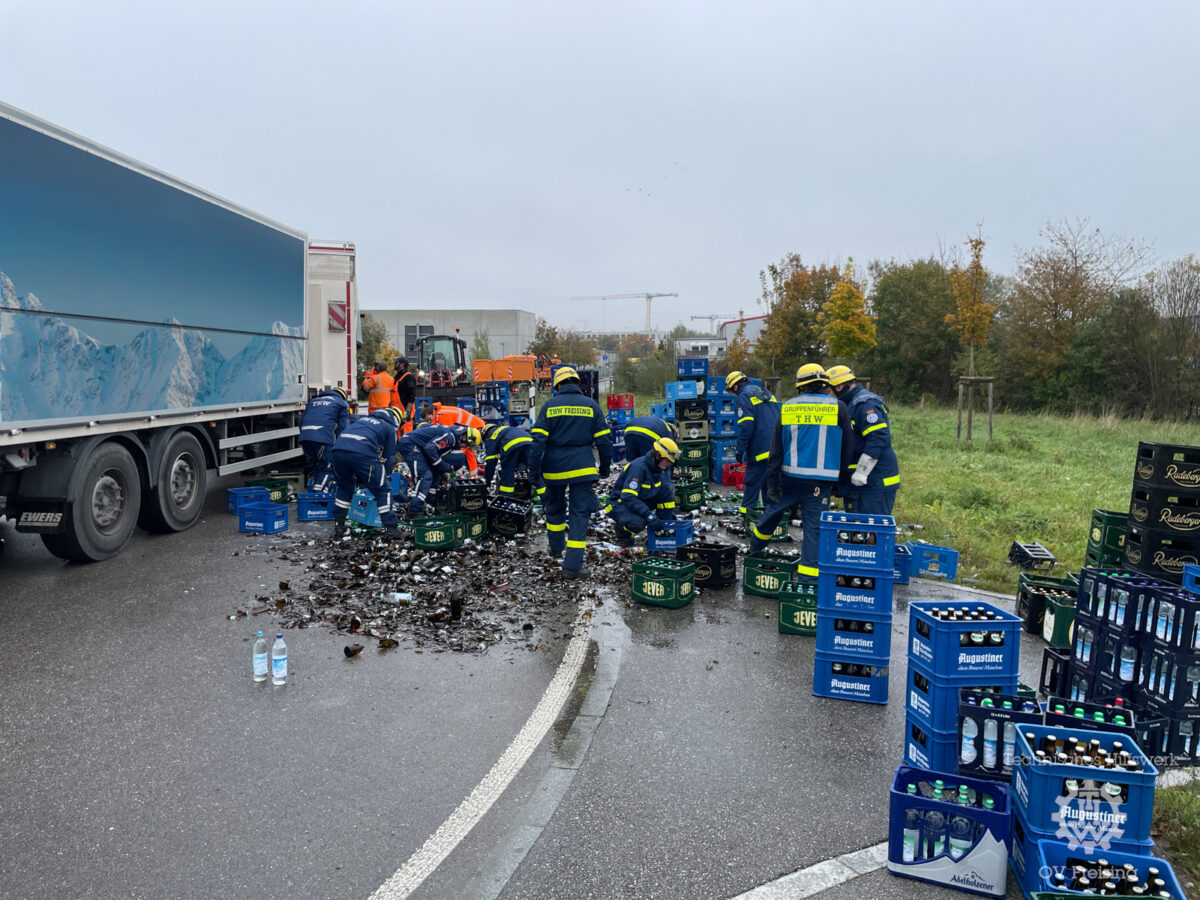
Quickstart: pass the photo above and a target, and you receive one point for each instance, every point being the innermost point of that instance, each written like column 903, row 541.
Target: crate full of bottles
column 663, row 582
column 798, row 608
column 936, row 703
column 961, row 642
column 1067, row 873
column 948, row 830
column 854, row 592
column 764, row 572
column 987, row 731
column 839, row 678
column 859, row 636
column 859, row 542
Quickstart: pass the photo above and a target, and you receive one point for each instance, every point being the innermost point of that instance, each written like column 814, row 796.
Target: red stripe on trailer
column 337, row 315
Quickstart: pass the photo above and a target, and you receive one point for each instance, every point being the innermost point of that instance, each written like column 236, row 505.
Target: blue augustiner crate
column 679, row 533
column 980, row 863
column 238, row 497
column 723, row 425
column 927, row 747
column 330, row 485
column 314, row 507
column 854, row 592
column 722, row 451
column 714, row 384
column 903, row 564
column 1040, row 791
column 263, row 518
column 682, row 390
column 364, row 510
column 691, row 366
column 939, row 645
column 932, row 561
column 844, row 678
column 855, row 635
column 1052, row 857
column 936, row 702
column 1024, row 853
column 858, row 541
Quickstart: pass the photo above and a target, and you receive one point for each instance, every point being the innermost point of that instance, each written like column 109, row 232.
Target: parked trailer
column 150, row 331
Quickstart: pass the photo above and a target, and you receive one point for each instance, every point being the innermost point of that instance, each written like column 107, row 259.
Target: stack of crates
column 1064, row 807
column 721, row 453
column 952, row 647
column 492, row 401
column 620, row 408
column 690, row 417
column 854, row 606
column 617, row 436
column 1107, row 634
column 1163, row 533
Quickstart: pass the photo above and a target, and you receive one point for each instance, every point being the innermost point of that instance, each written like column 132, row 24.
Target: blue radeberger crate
column 678, row 533
column 935, row 702
column 722, row 451
column 1052, row 859
column 364, row 510
column 664, row 411
column 927, row 747
column 691, row 366
column 977, row 859
column 964, row 649
column 1062, row 795
column 714, row 384
column 855, row 635
column 723, row 426
column 862, row 542
column 903, row 564
column 236, row 498
column 681, row 390
column 263, row 518
column 854, row 592
column 621, row 416
column 845, row 678
column 932, row 561
column 314, row 507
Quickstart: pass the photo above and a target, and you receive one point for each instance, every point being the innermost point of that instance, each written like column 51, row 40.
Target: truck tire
column 177, row 501
column 105, row 500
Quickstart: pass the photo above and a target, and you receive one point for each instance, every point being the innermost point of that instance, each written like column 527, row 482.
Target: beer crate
column 1170, row 466
column 716, row 563
column 902, row 564
column 1107, row 532
column 781, row 534
column 734, row 475
column 663, row 582
column 236, row 498
column 1041, row 790
column 934, row 700
column 1062, row 713
column 691, row 366
column 694, row 454
column 681, row 390
column 764, row 572
column 1160, row 554
column 314, row 507
column 619, row 401
column 1032, row 593
column 398, row 484
column 691, row 411
column 842, row 678
column 472, row 496
column 1191, row 577
column 964, row 649
column 1031, row 556
column 439, row 532
column 715, row 384
column 522, row 490
column 932, row 561
column 863, row 542
column 509, row 517
column 691, row 494
column 672, row 533
column 798, row 608
column 1170, row 678
column 694, row 432
column 364, row 510
column 693, row 473
column 927, row 747
column 276, row 487
column 1172, row 620
column 1057, row 619
column 854, row 592
column 723, row 451
column 443, row 502
column 262, row 518
column 723, row 425
column 978, row 859
column 859, row 636
column 1052, row 857
column 1165, row 509
column 620, row 417
column 991, row 756
column 722, row 404
column 475, row 527
column 664, row 411
column 1055, row 666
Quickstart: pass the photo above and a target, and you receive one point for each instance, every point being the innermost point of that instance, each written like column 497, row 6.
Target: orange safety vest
column 452, row 415
column 378, row 386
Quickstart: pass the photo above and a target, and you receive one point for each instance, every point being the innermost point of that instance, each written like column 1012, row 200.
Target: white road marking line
column 821, row 876
column 422, row 864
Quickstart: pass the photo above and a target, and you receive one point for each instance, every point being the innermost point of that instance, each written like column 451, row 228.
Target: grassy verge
column 1177, row 831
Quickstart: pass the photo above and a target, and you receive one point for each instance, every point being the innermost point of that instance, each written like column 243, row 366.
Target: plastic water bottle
column 279, row 661
column 1128, row 662
column 970, row 731
column 989, row 743
column 1010, row 743
column 912, row 829
column 935, row 834
column 260, row 658
column 962, row 834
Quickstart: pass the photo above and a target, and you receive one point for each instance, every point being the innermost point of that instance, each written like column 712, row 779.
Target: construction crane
column 647, row 297
column 713, row 318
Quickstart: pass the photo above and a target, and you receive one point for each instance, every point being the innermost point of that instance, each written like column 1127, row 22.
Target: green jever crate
column 779, row 535
column 277, row 486
column 1106, row 537
column 691, row 473
column 798, row 608
column 475, row 527
column 694, row 454
column 664, row 582
column 1058, row 618
column 1033, row 590
column 691, row 495
column 764, row 573
column 438, row 532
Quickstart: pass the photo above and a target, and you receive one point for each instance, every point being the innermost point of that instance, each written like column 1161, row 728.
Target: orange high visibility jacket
column 378, row 386
column 452, row 415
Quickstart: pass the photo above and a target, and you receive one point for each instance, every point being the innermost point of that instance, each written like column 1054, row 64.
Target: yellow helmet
column 733, row 379
column 474, row 437
column 810, row 373
column 566, row 373
column 666, row 448
column 345, row 394
column 839, row 375
column 390, row 412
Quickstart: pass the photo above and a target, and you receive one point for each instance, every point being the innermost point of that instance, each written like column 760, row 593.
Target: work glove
column 863, row 471
column 652, row 523
column 605, row 470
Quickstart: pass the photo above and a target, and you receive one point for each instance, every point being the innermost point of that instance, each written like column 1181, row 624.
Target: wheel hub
column 108, row 501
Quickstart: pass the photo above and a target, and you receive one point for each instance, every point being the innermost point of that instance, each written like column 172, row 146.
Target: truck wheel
column 105, row 500
column 178, row 500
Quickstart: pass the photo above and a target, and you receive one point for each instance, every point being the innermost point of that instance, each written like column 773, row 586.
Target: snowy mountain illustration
column 50, row 369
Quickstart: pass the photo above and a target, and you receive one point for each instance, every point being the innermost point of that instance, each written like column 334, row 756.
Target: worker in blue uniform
column 648, row 495
column 425, row 448
column 324, row 418
column 805, row 462
column 757, row 417
column 365, row 454
column 640, row 435
column 507, row 449
column 569, row 425
column 874, row 470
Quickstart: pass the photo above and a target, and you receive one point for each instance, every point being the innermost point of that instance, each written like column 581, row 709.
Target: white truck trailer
column 150, row 332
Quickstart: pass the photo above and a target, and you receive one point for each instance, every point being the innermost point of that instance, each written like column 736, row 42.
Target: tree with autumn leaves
column 847, row 328
column 973, row 312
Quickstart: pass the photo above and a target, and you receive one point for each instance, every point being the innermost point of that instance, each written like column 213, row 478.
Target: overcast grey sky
column 515, row 154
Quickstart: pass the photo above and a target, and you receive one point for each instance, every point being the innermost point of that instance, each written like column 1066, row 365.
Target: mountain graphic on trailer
column 51, row 369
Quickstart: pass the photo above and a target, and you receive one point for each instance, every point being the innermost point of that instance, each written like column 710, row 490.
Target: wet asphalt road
column 141, row 760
